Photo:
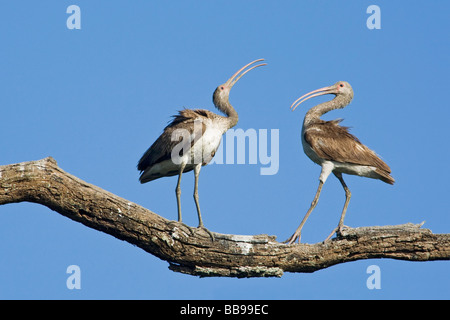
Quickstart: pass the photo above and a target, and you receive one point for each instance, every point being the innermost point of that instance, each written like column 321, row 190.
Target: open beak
column 312, row 94
column 235, row 77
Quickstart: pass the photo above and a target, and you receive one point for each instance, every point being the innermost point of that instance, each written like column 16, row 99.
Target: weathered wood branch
column 192, row 251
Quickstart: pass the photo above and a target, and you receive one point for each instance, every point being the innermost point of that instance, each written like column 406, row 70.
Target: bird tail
column 385, row 176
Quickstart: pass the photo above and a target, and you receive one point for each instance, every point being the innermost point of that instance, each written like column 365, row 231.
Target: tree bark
column 193, row 251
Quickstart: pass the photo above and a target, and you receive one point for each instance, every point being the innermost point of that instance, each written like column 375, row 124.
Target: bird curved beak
column 235, row 77
column 312, row 94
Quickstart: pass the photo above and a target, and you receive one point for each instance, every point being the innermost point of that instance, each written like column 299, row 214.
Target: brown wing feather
column 189, row 115
column 161, row 149
column 330, row 141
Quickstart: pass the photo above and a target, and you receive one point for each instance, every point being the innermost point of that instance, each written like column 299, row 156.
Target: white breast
column 204, row 149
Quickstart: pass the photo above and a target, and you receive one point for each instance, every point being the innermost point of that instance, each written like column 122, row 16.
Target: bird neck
column 227, row 108
column 314, row 114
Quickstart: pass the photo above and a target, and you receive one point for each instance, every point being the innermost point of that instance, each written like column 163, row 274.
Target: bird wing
column 330, row 141
column 184, row 123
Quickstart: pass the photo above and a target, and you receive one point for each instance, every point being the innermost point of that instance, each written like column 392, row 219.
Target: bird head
column 222, row 92
column 343, row 88
column 340, row 88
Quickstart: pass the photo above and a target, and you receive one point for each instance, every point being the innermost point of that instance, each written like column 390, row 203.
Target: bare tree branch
column 192, row 251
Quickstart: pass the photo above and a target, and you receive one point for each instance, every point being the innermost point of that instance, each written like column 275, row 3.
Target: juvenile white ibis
column 336, row 150
column 199, row 133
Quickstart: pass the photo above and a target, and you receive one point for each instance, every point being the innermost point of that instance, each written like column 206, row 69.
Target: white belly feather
column 205, row 148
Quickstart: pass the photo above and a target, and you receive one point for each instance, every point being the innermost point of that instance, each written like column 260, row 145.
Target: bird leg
column 197, row 173
column 178, row 191
column 297, row 233
column 348, row 195
column 200, row 221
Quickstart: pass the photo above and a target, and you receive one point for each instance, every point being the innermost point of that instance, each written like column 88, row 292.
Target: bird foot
column 201, row 227
column 174, row 224
column 338, row 230
column 295, row 237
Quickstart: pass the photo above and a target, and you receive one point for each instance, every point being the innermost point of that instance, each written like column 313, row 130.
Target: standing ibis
column 336, row 150
column 191, row 139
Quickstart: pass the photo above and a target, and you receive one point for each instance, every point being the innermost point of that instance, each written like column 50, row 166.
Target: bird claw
column 343, row 228
column 201, row 227
column 174, row 224
column 192, row 230
column 295, row 237
column 338, row 230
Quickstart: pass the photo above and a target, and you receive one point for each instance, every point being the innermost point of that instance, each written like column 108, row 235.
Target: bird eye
column 341, row 85
column 221, row 88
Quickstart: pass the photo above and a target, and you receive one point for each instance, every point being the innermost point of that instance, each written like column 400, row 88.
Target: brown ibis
column 336, row 150
column 191, row 139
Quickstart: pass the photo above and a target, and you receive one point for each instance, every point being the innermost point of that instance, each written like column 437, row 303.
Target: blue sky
column 96, row 98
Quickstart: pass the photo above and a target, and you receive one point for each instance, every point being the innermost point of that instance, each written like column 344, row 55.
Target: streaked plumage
column 330, row 141
column 336, row 150
column 191, row 139
column 157, row 160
